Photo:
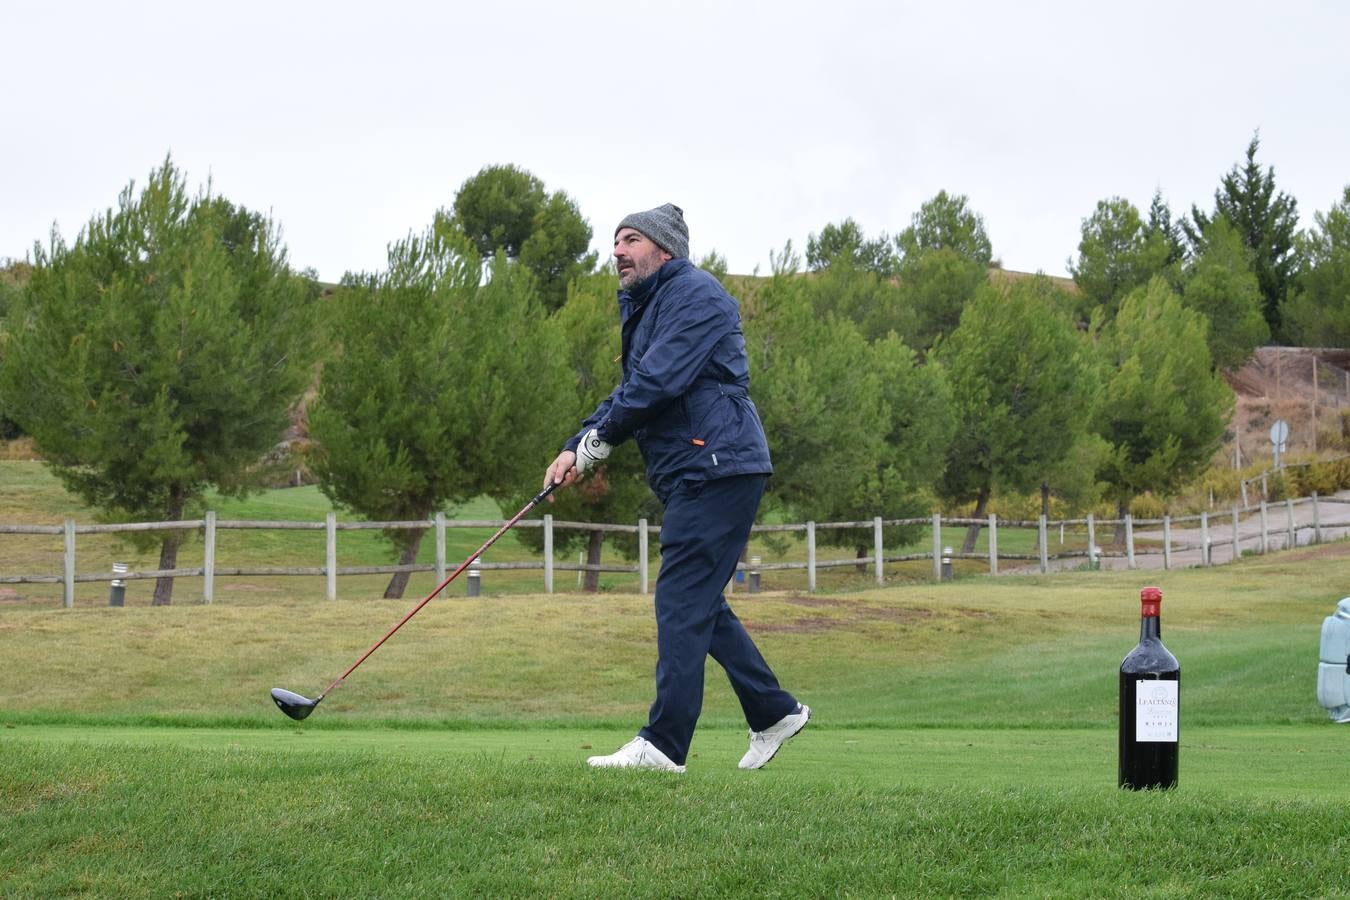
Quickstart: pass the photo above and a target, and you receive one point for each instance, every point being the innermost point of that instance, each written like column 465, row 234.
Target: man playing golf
column 683, row 398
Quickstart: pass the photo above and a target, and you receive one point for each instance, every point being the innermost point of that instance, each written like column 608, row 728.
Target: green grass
column 301, row 813
column 963, row 744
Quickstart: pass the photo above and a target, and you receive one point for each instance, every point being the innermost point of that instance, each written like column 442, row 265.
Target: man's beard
column 641, row 271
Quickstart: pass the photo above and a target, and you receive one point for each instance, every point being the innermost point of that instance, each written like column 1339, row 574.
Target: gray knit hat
column 664, row 225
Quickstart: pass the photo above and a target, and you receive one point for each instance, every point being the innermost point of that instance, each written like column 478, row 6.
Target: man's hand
column 591, row 451
column 563, row 471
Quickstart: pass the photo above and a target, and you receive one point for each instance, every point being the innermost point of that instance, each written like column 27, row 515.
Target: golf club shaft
column 538, row 498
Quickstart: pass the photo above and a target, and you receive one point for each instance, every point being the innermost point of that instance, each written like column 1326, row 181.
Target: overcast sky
column 352, row 123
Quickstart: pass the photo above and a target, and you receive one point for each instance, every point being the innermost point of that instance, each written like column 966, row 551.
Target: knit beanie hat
column 664, row 225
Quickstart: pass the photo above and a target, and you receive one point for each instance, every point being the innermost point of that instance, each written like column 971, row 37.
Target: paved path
column 1333, row 517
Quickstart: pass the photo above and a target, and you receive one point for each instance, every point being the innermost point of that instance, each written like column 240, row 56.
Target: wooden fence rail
column 1224, row 532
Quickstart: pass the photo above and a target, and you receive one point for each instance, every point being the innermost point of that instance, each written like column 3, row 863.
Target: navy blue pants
column 705, row 528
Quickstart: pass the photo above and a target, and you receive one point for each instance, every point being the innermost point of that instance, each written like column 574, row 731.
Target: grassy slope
column 1008, row 652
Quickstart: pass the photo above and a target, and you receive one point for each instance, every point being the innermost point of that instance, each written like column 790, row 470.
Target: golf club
column 298, row 706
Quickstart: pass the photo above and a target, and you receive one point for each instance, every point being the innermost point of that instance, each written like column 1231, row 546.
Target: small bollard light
column 946, row 563
column 754, row 574
column 117, row 588
column 475, row 584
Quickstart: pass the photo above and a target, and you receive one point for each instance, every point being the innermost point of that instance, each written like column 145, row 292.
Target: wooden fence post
column 440, row 547
column 1293, row 532
column 1204, row 539
column 209, row 559
column 1045, row 551
column 993, row 544
column 331, row 565
column 1092, row 542
column 1317, row 525
column 937, row 547
column 548, row 553
column 811, row 556
column 1265, row 529
column 1129, row 541
column 876, row 542
column 642, row 556
column 68, row 591
column 1167, row 541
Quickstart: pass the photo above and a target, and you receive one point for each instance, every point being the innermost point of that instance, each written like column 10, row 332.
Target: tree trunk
column 593, row 559
column 168, row 550
column 973, row 531
column 1122, row 509
column 399, row 583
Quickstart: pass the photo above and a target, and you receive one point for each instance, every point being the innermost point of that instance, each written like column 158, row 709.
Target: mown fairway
column 964, row 743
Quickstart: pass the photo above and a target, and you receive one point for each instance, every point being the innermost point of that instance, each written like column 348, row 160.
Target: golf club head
column 292, row 704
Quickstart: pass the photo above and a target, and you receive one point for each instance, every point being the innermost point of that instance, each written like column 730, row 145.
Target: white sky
column 353, row 122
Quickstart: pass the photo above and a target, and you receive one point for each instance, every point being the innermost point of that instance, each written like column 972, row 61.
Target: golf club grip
column 538, row 498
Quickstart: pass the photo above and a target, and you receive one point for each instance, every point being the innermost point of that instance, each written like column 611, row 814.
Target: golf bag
column 1333, row 672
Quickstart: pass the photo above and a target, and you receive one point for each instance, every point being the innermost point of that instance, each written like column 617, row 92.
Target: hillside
column 1309, row 388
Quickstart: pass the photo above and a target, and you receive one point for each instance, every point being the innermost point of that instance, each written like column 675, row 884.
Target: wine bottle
column 1150, row 701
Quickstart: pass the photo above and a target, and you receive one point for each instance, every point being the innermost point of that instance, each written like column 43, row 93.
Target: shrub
column 1147, row 506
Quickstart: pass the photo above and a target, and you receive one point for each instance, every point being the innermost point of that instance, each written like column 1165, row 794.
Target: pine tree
column 158, row 356
column 1267, row 221
column 506, row 211
column 945, row 256
column 1165, row 408
column 1318, row 311
column 1023, row 385
column 438, row 394
column 1117, row 253
column 617, row 490
column 854, row 427
column 1219, row 284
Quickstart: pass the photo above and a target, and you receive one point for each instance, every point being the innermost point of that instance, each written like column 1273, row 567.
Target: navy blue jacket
column 684, row 394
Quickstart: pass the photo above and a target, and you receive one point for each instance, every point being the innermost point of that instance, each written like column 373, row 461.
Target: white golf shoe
column 639, row 753
column 764, row 744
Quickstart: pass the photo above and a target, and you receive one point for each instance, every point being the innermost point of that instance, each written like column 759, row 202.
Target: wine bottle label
column 1155, row 710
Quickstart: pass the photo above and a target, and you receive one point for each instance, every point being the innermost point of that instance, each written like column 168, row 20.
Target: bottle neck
column 1150, row 628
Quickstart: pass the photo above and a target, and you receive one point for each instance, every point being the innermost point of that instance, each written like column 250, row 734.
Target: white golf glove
column 591, row 451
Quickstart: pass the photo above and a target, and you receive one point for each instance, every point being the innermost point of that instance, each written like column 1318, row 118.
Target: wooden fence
column 1214, row 539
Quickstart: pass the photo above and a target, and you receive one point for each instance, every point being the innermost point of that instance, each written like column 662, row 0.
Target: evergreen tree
column 434, row 398
column 1219, row 284
column 1118, row 253
column 1161, row 227
column 1165, row 408
column 871, row 300
column 13, row 276
column 846, row 242
column 854, row 427
column 1318, row 311
column 1023, row 385
column 616, row 491
column 505, row 210
column 945, row 256
column 1267, row 221
column 158, row 355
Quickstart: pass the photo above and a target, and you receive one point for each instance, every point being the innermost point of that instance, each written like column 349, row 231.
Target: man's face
column 636, row 256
